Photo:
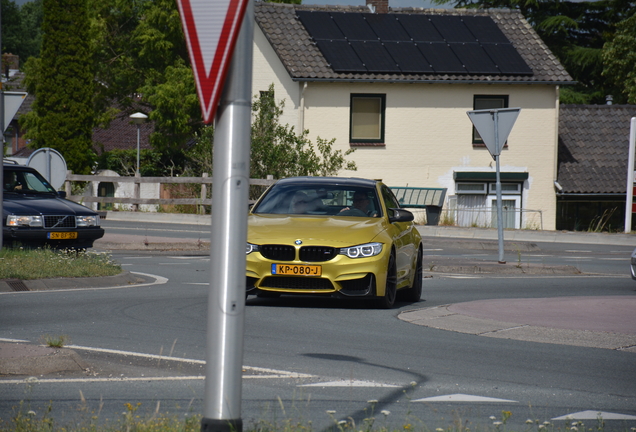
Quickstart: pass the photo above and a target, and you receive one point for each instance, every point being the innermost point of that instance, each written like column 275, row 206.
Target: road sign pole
column 230, row 190
column 630, row 176
column 499, row 203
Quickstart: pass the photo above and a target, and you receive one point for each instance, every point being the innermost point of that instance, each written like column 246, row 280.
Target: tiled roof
column 304, row 61
column 593, row 148
column 121, row 135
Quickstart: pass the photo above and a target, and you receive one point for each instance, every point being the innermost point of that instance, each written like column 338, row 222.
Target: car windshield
column 320, row 199
column 19, row 181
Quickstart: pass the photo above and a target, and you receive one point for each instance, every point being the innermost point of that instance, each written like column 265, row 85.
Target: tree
column 62, row 117
column 575, row 32
column 619, row 58
column 279, row 151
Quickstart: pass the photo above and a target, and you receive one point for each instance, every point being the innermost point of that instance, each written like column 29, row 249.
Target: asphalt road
column 306, row 356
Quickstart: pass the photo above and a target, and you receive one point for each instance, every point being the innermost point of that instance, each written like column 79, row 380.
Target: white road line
column 462, row 398
column 159, row 280
column 578, row 251
column 252, row 372
column 350, row 383
column 593, row 415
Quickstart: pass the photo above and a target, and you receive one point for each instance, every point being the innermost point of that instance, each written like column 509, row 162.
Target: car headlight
column 87, row 221
column 31, row 221
column 362, row 251
column 251, row 248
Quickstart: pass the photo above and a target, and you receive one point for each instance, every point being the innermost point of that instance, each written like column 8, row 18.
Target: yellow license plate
column 296, row 270
column 62, row 235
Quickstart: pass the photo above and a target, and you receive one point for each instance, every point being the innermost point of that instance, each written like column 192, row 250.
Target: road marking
column 462, row 398
column 250, row 372
column 350, row 383
column 158, row 280
column 431, row 250
column 13, row 340
column 615, row 259
column 593, row 415
column 578, row 251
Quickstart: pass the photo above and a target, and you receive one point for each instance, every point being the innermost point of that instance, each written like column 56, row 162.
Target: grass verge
column 47, row 263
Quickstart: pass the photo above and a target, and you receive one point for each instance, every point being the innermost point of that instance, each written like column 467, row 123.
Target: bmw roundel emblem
column 298, row 242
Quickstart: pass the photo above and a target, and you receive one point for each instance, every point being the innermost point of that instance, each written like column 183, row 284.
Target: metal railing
column 485, row 218
column 204, row 199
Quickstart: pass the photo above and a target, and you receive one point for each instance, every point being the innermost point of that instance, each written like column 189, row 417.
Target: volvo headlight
column 31, row 221
column 251, row 248
column 87, row 221
column 362, row 251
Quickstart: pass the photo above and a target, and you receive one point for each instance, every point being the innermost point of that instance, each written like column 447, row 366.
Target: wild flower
column 497, row 423
column 439, row 430
column 385, row 412
column 529, row 421
column 493, row 418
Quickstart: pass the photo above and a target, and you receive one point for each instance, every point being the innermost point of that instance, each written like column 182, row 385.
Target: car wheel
column 390, row 290
column 414, row 293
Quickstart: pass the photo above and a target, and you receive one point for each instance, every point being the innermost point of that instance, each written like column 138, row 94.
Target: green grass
column 24, row 264
column 26, row 420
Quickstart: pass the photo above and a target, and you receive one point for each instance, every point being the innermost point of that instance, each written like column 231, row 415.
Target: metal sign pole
column 230, row 192
column 630, row 176
column 499, row 204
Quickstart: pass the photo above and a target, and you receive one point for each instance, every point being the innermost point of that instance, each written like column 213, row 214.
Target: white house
column 396, row 85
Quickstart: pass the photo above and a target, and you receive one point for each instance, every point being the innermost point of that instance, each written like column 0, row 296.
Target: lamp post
column 138, row 118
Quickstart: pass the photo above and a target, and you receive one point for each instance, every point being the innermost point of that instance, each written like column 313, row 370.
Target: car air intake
column 278, row 252
column 317, row 253
column 59, row 221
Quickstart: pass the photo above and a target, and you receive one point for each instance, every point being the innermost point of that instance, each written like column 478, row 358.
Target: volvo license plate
column 62, row 235
column 296, row 270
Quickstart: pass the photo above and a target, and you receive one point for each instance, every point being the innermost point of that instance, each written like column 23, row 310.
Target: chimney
column 378, row 6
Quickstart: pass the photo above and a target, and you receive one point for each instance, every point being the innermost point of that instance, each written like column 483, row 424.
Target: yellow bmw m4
column 343, row 237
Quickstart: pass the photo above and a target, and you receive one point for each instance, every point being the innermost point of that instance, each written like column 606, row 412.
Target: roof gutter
column 591, row 195
column 394, row 81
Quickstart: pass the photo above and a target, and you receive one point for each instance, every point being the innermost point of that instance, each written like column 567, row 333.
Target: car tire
column 390, row 291
column 414, row 293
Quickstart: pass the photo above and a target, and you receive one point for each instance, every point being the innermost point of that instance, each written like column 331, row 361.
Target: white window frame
column 491, row 204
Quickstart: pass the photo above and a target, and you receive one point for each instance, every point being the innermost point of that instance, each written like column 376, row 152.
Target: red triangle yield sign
column 211, row 28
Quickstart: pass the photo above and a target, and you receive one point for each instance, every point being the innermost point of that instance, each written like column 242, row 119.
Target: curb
column 122, row 279
column 24, row 359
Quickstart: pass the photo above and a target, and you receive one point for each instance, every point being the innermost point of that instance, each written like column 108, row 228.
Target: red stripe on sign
column 633, row 207
column 210, row 83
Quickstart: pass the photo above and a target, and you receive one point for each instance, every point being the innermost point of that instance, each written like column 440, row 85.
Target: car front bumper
column 341, row 276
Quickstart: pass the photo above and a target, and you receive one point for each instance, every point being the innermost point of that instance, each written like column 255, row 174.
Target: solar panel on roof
column 441, row 58
column 354, row 26
column 452, row 28
column 341, row 56
column 484, row 29
column 320, row 25
column 387, row 27
column 419, row 28
column 374, row 56
column 409, row 59
column 507, row 59
column 474, row 58
column 445, row 44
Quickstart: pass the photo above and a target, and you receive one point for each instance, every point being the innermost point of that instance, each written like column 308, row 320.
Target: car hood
column 326, row 231
column 41, row 204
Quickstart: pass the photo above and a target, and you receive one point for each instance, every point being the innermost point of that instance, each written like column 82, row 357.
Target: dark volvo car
column 35, row 214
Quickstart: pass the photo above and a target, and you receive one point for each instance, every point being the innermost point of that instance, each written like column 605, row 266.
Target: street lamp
column 138, row 118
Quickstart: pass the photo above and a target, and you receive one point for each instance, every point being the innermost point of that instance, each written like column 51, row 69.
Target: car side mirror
column 61, row 194
column 401, row 215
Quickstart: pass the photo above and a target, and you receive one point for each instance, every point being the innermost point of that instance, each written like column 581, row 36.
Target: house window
column 367, row 118
column 487, row 102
